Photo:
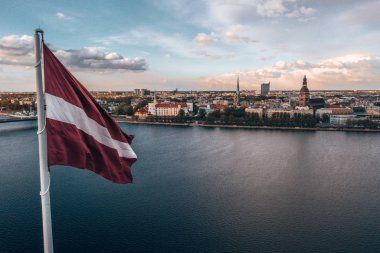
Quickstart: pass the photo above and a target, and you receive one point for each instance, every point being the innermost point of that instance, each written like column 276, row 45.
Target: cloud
column 234, row 34
column 175, row 44
column 302, row 13
column 97, row 58
column 60, row 15
column 19, row 50
column 203, row 39
column 270, row 8
column 213, row 56
column 366, row 14
column 237, row 34
column 16, row 50
column 356, row 71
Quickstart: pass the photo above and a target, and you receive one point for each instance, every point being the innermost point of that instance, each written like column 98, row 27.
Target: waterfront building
column 265, row 88
column 142, row 113
column 237, row 95
column 304, row 94
column 303, row 111
column 271, row 112
column 259, row 111
column 342, row 120
column 169, row 109
column 320, row 112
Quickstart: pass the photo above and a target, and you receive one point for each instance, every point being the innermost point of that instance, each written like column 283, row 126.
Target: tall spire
column 155, row 98
column 237, row 94
column 304, row 81
column 237, row 86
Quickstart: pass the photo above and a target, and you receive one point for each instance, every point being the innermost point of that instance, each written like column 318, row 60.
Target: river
column 201, row 190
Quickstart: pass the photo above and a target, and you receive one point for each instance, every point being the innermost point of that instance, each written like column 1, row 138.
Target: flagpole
column 42, row 147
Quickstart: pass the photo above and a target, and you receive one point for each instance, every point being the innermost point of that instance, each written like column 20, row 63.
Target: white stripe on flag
column 61, row 110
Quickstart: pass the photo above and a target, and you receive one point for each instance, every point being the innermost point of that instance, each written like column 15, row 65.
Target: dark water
column 201, row 190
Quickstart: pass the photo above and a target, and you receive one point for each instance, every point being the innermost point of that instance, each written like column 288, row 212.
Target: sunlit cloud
column 354, row 71
column 203, row 39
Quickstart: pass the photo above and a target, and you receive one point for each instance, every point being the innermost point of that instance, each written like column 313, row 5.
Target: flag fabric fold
column 80, row 133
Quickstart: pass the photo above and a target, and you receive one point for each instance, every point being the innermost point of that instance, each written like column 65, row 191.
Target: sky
column 196, row 44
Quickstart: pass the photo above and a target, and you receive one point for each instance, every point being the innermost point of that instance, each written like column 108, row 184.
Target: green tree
column 195, row 109
column 141, row 104
column 122, row 108
column 202, row 113
column 181, row 113
column 129, row 110
column 325, row 118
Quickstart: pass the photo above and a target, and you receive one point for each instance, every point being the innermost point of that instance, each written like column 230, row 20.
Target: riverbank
column 344, row 129
column 250, row 127
column 16, row 119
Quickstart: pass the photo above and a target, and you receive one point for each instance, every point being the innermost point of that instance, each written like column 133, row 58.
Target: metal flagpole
column 42, row 148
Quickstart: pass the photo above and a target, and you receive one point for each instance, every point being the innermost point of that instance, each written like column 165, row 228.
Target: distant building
column 359, row 110
column 265, row 88
column 169, row 109
column 303, row 111
column 373, row 110
column 259, row 111
column 207, row 107
column 316, row 103
column 141, row 92
column 220, row 102
column 334, row 111
column 142, row 113
column 237, row 95
column 322, row 111
column 342, row 120
column 221, row 108
column 304, row 94
column 271, row 112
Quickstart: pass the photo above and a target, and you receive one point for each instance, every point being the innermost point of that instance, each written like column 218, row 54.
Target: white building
column 343, row 119
column 169, row 109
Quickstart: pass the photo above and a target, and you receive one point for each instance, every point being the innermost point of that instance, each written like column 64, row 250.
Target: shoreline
column 16, row 120
column 342, row 129
column 330, row 129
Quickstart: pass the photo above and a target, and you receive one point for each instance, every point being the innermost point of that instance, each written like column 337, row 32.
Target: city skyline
column 202, row 45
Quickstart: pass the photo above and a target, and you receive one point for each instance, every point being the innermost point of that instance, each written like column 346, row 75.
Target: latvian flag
column 80, row 133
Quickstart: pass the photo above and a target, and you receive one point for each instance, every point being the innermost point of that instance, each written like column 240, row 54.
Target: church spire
column 237, row 94
column 304, row 81
column 155, row 98
column 237, row 86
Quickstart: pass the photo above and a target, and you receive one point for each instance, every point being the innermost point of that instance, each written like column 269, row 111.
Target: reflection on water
column 203, row 190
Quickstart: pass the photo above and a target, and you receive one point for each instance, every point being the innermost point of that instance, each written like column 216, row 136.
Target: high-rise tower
column 265, row 88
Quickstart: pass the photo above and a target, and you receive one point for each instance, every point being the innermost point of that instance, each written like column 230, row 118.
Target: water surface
column 201, row 190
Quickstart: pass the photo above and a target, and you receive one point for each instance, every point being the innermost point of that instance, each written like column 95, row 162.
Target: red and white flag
column 80, row 133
